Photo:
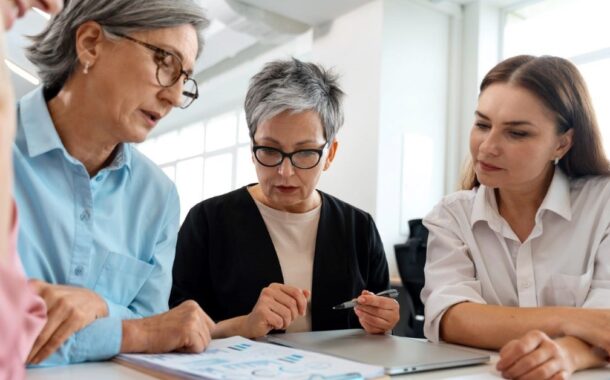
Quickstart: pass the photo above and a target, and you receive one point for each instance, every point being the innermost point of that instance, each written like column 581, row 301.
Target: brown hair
column 559, row 85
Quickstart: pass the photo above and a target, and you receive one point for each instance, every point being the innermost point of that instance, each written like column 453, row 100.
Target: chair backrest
column 411, row 258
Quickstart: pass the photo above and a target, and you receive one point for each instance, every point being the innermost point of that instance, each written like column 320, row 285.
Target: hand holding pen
column 391, row 293
column 377, row 313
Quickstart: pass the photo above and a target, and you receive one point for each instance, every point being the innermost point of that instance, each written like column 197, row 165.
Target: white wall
column 413, row 116
column 394, row 59
column 352, row 46
column 481, row 51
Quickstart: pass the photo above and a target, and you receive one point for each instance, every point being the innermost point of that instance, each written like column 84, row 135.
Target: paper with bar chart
column 240, row 358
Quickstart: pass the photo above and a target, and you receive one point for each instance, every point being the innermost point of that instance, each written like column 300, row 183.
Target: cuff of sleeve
column 100, row 340
column 439, row 303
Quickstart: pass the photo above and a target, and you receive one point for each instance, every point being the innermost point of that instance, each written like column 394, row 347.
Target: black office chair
column 411, row 258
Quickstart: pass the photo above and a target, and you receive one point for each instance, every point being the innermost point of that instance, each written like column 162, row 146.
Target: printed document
column 241, row 358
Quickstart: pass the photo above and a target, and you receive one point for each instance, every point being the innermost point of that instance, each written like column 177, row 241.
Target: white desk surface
column 115, row 371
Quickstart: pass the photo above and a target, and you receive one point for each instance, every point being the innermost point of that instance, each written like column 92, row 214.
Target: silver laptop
column 397, row 355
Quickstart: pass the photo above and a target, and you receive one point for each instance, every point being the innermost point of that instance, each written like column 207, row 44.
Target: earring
column 86, row 69
column 556, row 160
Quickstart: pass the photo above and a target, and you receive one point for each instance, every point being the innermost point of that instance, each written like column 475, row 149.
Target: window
column 204, row 159
column 574, row 29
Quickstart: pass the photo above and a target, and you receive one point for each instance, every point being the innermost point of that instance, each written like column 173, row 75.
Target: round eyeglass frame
column 188, row 96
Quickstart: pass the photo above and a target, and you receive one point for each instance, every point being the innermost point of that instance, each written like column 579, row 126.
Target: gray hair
column 294, row 86
column 54, row 52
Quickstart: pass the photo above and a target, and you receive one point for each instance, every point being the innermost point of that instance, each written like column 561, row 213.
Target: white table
column 115, row 371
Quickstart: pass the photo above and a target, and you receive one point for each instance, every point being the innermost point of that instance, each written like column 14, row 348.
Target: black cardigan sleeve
column 379, row 277
column 373, row 264
column 189, row 279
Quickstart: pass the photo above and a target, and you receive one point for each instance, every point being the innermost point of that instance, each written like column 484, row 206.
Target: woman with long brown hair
column 518, row 260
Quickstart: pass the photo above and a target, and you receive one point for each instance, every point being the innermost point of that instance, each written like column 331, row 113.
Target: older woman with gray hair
column 278, row 255
column 99, row 220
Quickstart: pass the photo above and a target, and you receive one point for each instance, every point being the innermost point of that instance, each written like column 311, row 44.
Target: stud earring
column 86, row 69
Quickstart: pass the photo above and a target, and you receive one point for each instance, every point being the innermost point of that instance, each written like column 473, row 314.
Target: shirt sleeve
column 102, row 339
column 22, row 313
column 449, row 271
column 599, row 293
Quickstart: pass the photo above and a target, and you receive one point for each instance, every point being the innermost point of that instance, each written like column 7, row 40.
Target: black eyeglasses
column 169, row 70
column 302, row 159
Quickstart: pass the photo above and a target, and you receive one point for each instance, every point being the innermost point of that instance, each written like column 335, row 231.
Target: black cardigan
column 225, row 257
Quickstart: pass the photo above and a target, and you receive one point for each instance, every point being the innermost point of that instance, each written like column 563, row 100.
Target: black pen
column 391, row 293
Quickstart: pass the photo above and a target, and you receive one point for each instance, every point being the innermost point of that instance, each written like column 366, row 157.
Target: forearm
column 231, row 327
column 135, row 335
column 491, row 326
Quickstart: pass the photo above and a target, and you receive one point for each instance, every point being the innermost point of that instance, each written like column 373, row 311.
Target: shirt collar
column 122, row 158
column 557, row 200
column 41, row 136
column 485, row 207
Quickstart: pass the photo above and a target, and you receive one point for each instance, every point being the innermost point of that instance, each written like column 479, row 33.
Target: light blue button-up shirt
column 114, row 233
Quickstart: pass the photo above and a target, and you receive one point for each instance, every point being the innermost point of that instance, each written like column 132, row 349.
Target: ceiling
column 236, row 25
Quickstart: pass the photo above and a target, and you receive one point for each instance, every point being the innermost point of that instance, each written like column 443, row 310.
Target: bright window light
column 45, row 15
column 565, row 28
column 204, row 159
column 574, row 29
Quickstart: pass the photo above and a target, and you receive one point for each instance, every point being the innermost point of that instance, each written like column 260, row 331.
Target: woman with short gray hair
column 278, row 255
column 99, row 220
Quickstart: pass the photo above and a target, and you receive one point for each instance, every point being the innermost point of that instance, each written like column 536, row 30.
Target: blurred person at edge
column 22, row 313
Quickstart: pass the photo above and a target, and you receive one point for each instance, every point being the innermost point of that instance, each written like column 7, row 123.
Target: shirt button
column 526, row 284
column 98, row 178
column 79, row 270
column 84, row 216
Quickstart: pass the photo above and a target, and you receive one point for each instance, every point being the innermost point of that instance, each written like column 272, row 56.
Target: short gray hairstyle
column 295, row 86
column 54, row 51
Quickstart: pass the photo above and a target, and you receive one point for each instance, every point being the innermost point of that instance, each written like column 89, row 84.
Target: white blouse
column 294, row 239
column 473, row 254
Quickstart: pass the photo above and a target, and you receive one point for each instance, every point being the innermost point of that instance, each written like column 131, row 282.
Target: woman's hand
column 10, row 11
column 185, row 328
column 377, row 314
column 536, row 356
column 277, row 307
column 590, row 325
column 69, row 309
